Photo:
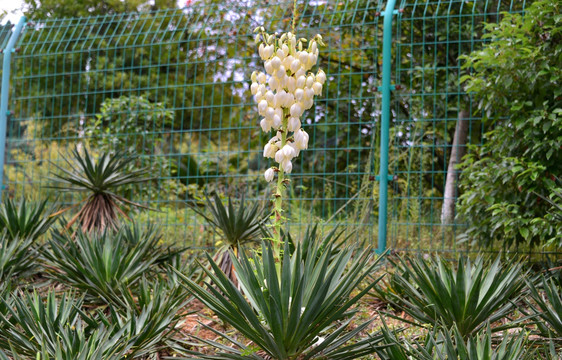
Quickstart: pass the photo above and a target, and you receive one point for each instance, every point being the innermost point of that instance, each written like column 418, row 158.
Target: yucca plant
column 55, row 329
column 304, row 312
column 466, row 297
column 105, row 265
column 101, row 179
column 546, row 306
column 18, row 257
column 235, row 226
column 442, row 343
column 24, row 219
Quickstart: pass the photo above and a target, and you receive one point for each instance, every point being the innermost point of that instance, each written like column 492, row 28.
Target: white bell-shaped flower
column 288, row 61
column 262, row 107
column 303, row 57
column 265, row 126
column 279, row 156
column 285, row 49
column 291, row 84
column 280, row 72
column 308, row 103
column 301, row 139
column 268, row 67
column 254, row 88
column 295, row 65
column 268, row 51
column 262, row 78
column 269, row 174
column 317, row 87
column 300, row 72
column 276, row 122
column 275, row 62
column 273, row 83
column 270, row 98
column 287, row 166
column 269, row 113
column 293, row 124
column 288, row 152
column 296, row 110
column 299, row 93
column 301, row 81
column 321, row 77
column 269, row 150
column 309, row 81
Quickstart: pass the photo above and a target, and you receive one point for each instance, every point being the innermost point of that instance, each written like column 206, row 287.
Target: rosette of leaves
column 100, row 179
column 301, row 309
column 235, row 226
column 107, row 265
column 468, row 296
column 24, row 219
column 442, row 343
column 18, row 257
column 56, row 329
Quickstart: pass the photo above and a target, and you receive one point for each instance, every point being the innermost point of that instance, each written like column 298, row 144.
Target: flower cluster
column 284, row 92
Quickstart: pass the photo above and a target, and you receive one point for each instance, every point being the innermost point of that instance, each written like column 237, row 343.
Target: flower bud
column 313, row 46
column 317, row 87
column 261, row 78
column 254, row 76
column 262, row 107
column 309, row 81
column 261, row 49
column 287, row 166
column 269, row 174
column 294, row 124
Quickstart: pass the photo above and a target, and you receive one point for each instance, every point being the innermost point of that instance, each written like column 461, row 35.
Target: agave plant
column 467, row 297
column 546, row 306
column 25, row 220
column 450, row 344
column 109, row 264
column 100, row 179
column 303, row 312
column 55, row 329
column 235, row 227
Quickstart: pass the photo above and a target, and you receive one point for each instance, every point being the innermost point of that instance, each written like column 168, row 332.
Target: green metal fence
column 173, row 87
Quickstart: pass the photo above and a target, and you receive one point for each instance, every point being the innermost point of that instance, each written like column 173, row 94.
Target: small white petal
column 279, row 156
column 275, row 62
column 291, row 84
column 309, row 81
column 288, row 152
column 269, row 97
column 321, row 77
column 254, row 88
column 296, row 110
column 294, row 124
column 285, row 49
column 295, row 65
column 276, row 121
column 280, row 54
column 299, row 94
column 301, row 81
column 268, row 67
column 303, row 57
column 281, row 73
column 273, row 83
column 266, row 127
column 317, row 87
column 287, row 166
column 261, row 78
column 269, row 113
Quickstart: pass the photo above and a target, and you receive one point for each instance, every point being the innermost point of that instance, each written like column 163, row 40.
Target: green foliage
column 56, row 329
column 234, row 226
column 18, row 257
column 108, row 265
column 433, row 292
column 24, row 219
column 300, row 311
column 100, row 178
column 547, row 306
column 516, row 80
column 450, row 344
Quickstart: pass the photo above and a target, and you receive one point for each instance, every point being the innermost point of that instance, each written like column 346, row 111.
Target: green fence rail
column 173, row 87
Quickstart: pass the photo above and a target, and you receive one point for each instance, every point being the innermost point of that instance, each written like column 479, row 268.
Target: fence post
column 5, row 93
column 385, row 123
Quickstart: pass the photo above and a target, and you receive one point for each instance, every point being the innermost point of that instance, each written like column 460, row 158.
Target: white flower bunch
column 284, row 92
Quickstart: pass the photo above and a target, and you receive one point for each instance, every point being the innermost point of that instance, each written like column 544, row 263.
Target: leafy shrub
column 24, row 219
column 466, row 297
column 547, row 307
column 18, row 257
column 516, row 80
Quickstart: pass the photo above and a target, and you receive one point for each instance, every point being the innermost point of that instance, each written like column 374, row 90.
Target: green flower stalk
column 283, row 93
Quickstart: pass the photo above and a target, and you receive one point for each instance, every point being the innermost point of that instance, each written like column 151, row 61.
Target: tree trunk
column 457, row 152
